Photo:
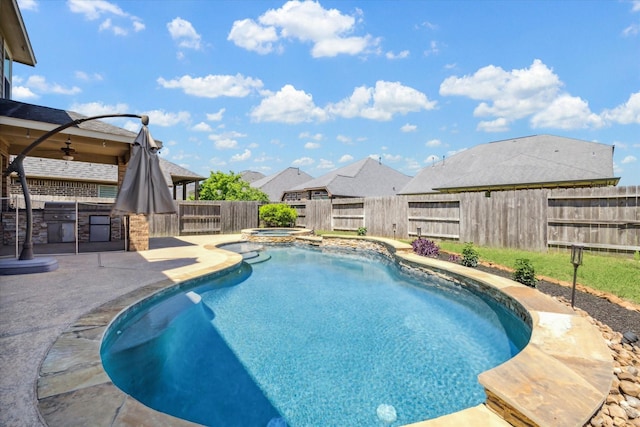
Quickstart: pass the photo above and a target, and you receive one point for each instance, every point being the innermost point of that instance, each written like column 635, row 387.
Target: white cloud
column 166, row 119
column 245, row 155
column 38, row 84
column 346, row 158
column 391, row 158
column 402, row 55
column 250, row 35
column 22, row 93
column 226, row 140
column 498, row 125
column 629, row 159
column 184, row 34
column 382, row 102
column 326, row 164
column 307, row 21
column 433, row 143
column 409, row 128
column 344, row 139
column 81, row 75
column 567, row 112
column 307, row 135
column 97, row 9
column 627, row 113
column 97, row 109
column 434, row 48
column 303, row 161
column 202, row 127
column 216, row 117
column 432, row 159
column 28, row 5
column 288, row 105
column 512, row 95
column 213, row 86
column 312, row 145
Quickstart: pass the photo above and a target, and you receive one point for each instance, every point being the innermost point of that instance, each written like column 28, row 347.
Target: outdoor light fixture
column 576, row 260
column 419, row 230
column 68, row 151
column 393, row 226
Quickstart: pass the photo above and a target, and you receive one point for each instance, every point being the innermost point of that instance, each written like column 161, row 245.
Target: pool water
column 311, row 338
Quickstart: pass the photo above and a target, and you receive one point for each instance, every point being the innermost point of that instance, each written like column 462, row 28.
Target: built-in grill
column 61, row 221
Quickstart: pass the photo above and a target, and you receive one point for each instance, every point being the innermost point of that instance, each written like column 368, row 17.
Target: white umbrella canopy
column 144, row 189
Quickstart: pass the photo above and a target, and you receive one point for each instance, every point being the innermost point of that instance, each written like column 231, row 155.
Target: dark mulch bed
column 618, row 318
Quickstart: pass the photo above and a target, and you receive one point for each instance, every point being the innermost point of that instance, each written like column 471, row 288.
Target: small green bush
column 278, row 215
column 525, row 273
column 470, row 255
column 362, row 231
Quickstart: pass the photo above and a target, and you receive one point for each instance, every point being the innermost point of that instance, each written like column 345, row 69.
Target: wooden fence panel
column 347, row 214
column 437, row 216
column 164, row 225
column 381, row 213
column 599, row 218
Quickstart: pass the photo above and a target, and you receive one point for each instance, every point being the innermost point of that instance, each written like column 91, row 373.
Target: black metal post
column 17, row 166
column 573, row 289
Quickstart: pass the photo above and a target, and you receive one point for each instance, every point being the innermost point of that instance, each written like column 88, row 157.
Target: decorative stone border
column 561, row 377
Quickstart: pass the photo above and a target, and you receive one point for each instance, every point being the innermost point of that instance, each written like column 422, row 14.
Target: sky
column 265, row 85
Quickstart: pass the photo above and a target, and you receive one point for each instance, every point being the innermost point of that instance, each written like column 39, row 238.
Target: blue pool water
column 311, row 338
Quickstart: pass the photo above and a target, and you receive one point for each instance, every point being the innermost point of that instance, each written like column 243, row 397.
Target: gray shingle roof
column 275, row 185
column 531, row 160
column 251, row 176
column 39, row 113
column 36, row 167
column 364, row 178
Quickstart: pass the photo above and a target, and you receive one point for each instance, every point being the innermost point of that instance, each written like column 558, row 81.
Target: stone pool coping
column 561, row 377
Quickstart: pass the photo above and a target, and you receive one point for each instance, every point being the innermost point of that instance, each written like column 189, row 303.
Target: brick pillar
column 138, row 233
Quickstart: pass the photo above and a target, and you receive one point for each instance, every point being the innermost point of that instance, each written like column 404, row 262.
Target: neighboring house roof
column 251, row 176
column 13, row 29
column 38, row 167
column 39, row 113
column 176, row 174
column 365, row 178
column 275, row 185
column 527, row 162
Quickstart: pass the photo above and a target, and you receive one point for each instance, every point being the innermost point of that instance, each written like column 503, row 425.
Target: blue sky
column 264, row 85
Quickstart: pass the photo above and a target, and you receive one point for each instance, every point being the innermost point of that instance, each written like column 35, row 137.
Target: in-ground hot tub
column 274, row 235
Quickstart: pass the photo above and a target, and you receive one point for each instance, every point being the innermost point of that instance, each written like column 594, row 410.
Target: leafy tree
column 229, row 186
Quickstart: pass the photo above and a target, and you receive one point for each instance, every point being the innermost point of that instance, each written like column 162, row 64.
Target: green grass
column 616, row 275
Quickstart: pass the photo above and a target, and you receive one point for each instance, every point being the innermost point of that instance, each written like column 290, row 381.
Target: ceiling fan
column 68, row 151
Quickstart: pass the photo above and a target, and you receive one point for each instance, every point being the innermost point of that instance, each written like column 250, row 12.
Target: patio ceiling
column 90, row 145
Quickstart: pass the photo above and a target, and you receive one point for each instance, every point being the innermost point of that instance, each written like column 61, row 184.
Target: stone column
column 138, row 233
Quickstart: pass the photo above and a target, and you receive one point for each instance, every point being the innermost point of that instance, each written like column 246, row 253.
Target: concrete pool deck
column 51, row 325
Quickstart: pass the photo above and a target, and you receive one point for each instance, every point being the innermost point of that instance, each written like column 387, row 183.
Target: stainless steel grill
column 61, row 221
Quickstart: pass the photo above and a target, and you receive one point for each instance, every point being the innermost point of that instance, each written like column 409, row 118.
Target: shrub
column 525, row 273
column 454, row 258
column 425, row 247
column 362, row 231
column 278, row 215
column 470, row 255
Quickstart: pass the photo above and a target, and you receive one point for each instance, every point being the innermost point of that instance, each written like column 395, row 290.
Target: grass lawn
column 616, row 275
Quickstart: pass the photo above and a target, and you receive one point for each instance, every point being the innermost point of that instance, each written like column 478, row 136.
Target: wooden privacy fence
column 205, row 217
column 605, row 218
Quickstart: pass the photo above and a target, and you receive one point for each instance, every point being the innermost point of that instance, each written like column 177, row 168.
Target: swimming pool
column 363, row 341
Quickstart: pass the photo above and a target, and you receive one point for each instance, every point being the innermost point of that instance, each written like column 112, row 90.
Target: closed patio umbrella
column 144, row 189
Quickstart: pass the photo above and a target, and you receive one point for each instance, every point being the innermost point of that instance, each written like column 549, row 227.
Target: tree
column 231, row 186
